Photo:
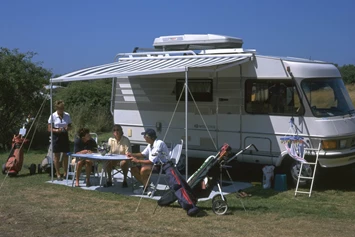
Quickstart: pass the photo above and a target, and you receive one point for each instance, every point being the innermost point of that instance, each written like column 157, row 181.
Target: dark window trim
column 265, row 107
column 198, row 96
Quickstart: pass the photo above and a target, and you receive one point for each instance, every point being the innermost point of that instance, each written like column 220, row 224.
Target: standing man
column 155, row 152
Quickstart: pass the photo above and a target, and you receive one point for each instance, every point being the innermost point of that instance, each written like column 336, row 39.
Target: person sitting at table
column 84, row 144
column 155, row 152
column 121, row 145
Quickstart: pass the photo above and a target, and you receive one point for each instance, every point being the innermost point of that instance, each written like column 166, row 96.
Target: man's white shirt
column 156, row 152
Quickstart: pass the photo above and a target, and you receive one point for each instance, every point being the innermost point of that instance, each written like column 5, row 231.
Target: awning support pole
column 186, row 111
column 51, row 142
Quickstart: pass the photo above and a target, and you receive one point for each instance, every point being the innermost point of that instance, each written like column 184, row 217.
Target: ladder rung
column 304, row 177
column 309, row 163
column 311, row 149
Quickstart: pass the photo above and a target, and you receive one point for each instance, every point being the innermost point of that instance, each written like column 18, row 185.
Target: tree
column 21, row 90
column 348, row 73
column 88, row 103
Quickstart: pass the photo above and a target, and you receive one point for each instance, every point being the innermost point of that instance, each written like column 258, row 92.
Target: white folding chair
column 95, row 163
column 72, row 166
column 71, row 170
column 175, row 153
column 174, row 156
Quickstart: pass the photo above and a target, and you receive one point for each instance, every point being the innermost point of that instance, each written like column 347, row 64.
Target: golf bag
column 15, row 160
column 179, row 190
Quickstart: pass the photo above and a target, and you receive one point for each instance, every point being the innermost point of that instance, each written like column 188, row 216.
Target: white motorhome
column 235, row 96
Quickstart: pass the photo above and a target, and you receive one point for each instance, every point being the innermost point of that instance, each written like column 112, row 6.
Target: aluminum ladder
column 308, row 150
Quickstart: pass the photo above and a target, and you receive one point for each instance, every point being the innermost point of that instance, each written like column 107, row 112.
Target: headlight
column 342, row 144
column 329, row 144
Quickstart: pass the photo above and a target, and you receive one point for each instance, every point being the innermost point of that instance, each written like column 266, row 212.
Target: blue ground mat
column 227, row 187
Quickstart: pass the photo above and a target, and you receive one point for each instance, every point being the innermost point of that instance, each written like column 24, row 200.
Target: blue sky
column 69, row 35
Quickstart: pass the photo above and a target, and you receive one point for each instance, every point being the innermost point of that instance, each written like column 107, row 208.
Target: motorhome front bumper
column 336, row 159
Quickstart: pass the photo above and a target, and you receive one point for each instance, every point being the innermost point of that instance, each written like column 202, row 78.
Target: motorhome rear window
column 201, row 89
column 277, row 97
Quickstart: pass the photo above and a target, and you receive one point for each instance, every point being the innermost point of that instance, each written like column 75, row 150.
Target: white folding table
column 95, row 157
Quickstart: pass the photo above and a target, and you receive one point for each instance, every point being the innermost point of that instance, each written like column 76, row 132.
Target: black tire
column 32, row 169
column 39, row 168
column 3, row 169
column 294, row 170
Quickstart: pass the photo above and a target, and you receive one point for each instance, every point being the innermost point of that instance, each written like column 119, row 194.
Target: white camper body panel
column 149, row 101
column 241, row 98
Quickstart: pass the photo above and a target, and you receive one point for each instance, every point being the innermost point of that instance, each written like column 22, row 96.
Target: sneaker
column 152, row 186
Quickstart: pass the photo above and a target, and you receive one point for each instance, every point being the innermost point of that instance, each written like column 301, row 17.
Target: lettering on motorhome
column 203, row 126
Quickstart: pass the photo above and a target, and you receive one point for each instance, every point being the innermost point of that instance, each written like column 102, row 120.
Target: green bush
column 88, row 103
column 97, row 120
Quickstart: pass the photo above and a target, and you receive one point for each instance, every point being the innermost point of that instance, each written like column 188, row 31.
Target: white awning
column 136, row 66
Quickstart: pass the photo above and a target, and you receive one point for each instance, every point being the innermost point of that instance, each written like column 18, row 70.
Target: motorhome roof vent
column 196, row 42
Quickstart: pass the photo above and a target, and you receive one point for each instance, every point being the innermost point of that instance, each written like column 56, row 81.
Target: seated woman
column 84, row 144
column 118, row 145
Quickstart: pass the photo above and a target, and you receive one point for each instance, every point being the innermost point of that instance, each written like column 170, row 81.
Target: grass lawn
column 31, row 207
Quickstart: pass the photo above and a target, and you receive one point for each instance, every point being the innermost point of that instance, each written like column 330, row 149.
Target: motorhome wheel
column 3, row 169
column 306, row 172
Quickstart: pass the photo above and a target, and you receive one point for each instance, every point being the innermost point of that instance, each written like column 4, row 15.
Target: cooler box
column 280, row 182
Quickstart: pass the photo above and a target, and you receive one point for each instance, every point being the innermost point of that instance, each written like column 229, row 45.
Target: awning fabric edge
column 138, row 67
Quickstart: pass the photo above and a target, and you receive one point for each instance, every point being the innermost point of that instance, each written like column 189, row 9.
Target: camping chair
column 134, row 183
column 115, row 170
column 174, row 157
column 72, row 166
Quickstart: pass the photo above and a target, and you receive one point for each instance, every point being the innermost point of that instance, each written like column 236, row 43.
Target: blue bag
column 179, row 190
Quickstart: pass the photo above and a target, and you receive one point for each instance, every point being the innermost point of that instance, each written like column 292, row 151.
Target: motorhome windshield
column 327, row 97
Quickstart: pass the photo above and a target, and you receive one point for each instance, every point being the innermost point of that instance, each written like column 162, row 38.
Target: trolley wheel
column 3, row 169
column 39, row 168
column 219, row 197
column 32, row 169
column 219, row 206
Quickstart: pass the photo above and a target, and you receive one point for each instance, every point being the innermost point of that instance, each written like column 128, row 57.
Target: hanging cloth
column 294, row 143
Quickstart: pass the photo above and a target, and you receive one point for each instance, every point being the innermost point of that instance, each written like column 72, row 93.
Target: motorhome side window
column 277, row 97
column 201, row 89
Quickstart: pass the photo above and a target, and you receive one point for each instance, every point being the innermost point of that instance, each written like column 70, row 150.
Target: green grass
column 31, row 207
